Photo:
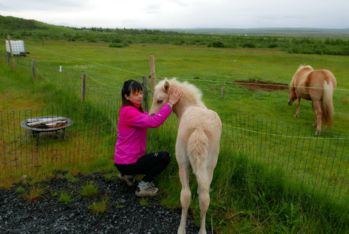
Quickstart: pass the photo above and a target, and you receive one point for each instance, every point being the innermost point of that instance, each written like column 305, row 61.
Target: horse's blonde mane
column 301, row 67
column 186, row 87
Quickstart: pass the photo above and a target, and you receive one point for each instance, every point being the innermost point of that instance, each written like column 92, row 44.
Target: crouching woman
column 130, row 155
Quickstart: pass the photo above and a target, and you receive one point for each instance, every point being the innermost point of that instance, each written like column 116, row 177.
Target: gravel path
column 125, row 214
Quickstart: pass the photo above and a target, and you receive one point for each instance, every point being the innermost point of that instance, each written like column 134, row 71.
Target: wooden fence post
column 11, row 60
column 83, row 86
column 152, row 71
column 222, row 91
column 33, row 70
column 145, row 93
column 8, row 58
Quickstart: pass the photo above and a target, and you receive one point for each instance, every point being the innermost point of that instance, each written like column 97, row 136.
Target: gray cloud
column 34, row 5
column 183, row 13
column 153, row 8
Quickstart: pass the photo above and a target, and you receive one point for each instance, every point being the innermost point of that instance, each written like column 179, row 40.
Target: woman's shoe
column 146, row 189
column 128, row 179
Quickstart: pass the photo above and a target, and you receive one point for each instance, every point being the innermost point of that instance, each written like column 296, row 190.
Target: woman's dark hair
column 130, row 86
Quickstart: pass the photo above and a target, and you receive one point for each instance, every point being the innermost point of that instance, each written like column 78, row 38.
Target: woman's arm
column 136, row 118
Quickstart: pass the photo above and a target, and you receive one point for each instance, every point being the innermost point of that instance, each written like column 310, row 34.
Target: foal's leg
column 204, row 197
column 318, row 112
column 185, row 194
column 183, row 172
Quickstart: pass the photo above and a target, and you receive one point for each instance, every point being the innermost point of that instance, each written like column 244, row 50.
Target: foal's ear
column 166, row 86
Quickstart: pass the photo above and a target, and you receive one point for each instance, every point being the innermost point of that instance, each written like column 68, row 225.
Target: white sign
column 17, row 47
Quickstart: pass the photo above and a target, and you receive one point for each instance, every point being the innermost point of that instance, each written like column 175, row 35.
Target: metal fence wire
column 320, row 163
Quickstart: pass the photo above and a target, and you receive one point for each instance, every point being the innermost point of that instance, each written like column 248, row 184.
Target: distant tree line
column 30, row 29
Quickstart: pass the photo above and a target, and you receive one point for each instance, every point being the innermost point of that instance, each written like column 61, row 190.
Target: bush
column 64, row 198
column 273, row 45
column 89, row 190
column 118, row 45
column 216, row 44
column 248, row 45
column 99, row 207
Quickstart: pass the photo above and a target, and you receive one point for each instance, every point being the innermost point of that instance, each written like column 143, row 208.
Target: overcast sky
column 183, row 13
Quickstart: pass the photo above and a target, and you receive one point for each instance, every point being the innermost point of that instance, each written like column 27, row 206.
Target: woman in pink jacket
column 130, row 149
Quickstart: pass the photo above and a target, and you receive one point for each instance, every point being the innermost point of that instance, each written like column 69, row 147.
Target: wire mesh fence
column 320, row 163
column 26, row 151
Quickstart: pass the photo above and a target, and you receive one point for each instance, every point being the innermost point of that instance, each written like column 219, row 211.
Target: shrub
column 216, row 44
column 64, row 198
column 99, row 206
column 248, row 45
column 20, row 190
column 33, row 194
column 70, row 178
column 273, row 45
column 118, row 45
column 89, row 190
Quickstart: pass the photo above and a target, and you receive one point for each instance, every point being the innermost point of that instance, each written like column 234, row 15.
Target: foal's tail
column 327, row 102
column 198, row 150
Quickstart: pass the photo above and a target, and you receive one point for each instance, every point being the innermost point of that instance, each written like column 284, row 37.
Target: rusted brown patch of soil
column 261, row 85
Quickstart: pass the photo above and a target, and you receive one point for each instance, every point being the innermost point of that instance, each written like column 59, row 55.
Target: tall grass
column 251, row 192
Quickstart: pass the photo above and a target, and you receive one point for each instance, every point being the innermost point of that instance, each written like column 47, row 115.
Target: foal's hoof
column 317, row 133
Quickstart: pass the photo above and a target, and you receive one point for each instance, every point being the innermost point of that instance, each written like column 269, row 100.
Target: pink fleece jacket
column 132, row 132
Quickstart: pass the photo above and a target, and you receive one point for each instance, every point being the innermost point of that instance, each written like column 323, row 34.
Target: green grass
column 272, row 176
column 33, row 194
column 89, row 190
column 64, row 198
column 99, row 207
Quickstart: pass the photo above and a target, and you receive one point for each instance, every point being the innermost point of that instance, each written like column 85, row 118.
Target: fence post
column 33, row 70
column 152, row 71
column 83, row 86
column 222, row 91
column 145, row 93
column 11, row 59
column 8, row 58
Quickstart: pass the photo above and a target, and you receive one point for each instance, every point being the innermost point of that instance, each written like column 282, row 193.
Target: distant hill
column 292, row 40
column 14, row 23
column 304, row 32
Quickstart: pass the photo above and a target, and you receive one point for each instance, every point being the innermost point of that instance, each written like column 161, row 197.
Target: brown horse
column 317, row 86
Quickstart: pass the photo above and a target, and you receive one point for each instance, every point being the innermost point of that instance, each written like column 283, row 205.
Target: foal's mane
column 188, row 89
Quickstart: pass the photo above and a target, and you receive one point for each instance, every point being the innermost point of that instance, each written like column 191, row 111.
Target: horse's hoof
column 181, row 230
column 317, row 133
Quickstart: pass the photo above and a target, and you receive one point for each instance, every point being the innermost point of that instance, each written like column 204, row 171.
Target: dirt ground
column 261, row 85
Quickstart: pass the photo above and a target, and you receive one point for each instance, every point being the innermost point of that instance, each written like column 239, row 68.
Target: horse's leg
column 204, row 196
column 213, row 157
column 185, row 196
column 314, row 111
column 183, row 167
column 318, row 112
column 298, row 104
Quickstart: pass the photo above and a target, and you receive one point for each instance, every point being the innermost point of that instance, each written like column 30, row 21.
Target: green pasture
column 273, row 175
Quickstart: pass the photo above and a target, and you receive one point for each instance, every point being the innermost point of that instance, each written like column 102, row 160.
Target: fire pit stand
column 46, row 124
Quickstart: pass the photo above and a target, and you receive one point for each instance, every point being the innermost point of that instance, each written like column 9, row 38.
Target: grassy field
column 272, row 176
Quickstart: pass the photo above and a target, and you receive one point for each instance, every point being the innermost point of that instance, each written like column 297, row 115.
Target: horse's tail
column 327, row 102
column 198, row 150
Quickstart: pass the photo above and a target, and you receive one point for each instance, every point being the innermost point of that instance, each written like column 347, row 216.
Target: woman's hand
column 174, row 96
